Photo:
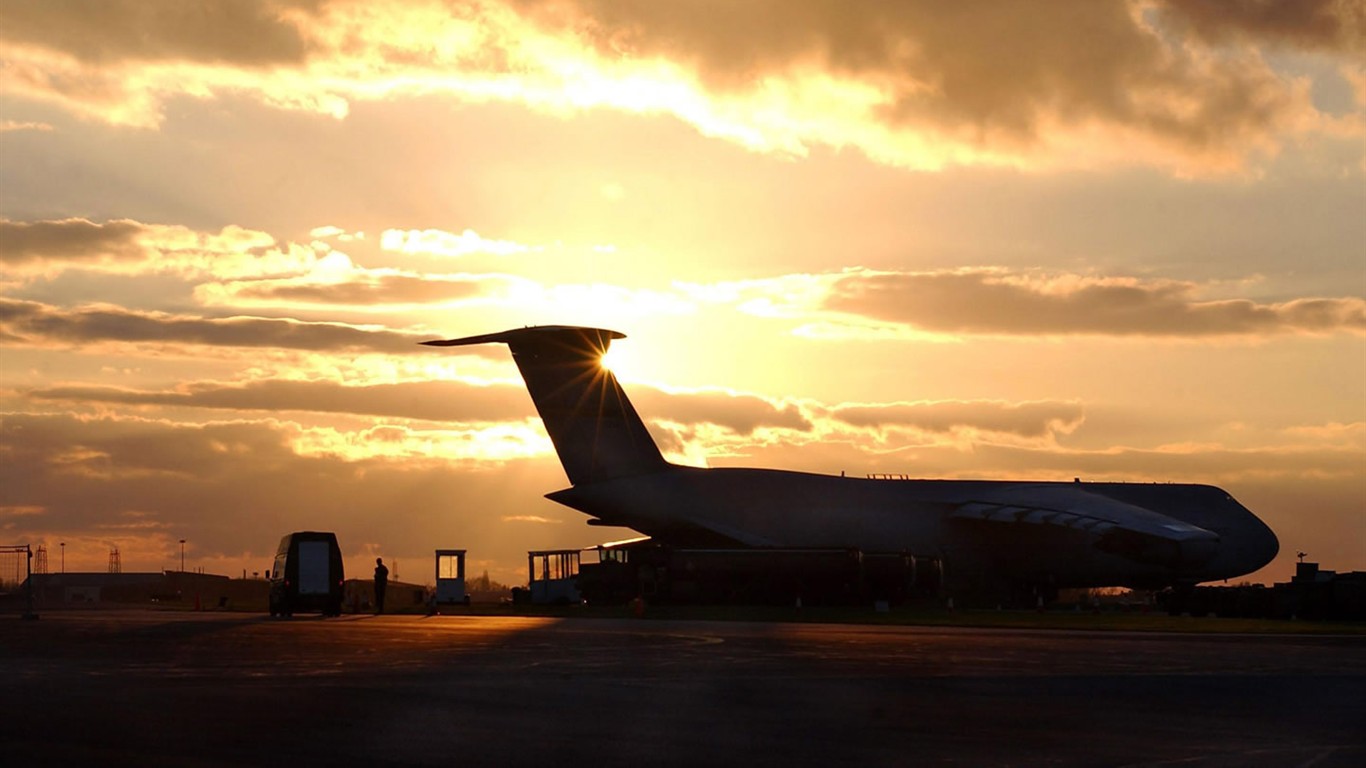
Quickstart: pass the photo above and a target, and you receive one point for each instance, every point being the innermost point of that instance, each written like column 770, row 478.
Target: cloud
column 994, row 302
column 33, row 323
column 233, row 488
column 241, row 268
column 441, row 243
column 688, row 425
column 75, row 240
column 865, row 430
column 360, row 289
column 130, row 247
column 444, row 401
column 999, row 82
column 248, row 33
column 922, row 84
column 739, row 413
column 425, row 400
column 7, row 126
column 344, row 284
column 1316, row 25
column 1030, row 419
column 331, row 278
column 1188, row 463
column 120, row 61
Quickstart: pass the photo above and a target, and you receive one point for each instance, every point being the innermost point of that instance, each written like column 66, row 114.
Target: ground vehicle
column 307, row 574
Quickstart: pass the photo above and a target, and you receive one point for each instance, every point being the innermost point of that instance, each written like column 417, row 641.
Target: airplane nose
column 1246, row 543
column 1263, row 546
column 1252, row 545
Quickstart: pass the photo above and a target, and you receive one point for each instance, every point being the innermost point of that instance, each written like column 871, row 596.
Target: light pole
column 182, row 555
column 63, row 546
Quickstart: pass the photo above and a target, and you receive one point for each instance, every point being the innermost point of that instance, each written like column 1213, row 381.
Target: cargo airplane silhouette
column 988, row 534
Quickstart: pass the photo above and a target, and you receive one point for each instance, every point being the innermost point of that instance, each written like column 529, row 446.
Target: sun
column 618, row 361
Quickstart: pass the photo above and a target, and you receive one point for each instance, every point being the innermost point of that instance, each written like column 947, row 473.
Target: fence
column 16, row 586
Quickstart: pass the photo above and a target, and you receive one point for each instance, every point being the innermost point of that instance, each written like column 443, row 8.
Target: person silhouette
column 381, row 583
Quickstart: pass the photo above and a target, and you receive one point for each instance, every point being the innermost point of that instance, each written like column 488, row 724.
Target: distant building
column 75, row 587
column 1313, row 593
column 1321, row 594
column 204, row 589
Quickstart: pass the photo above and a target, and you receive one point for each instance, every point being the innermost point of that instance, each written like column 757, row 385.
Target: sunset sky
column 1089, row 238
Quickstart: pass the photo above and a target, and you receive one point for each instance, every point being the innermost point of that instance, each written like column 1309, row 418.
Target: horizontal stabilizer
column 678, row 527
column 597, row 338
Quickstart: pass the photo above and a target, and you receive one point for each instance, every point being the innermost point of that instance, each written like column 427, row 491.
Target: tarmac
column 152, row 688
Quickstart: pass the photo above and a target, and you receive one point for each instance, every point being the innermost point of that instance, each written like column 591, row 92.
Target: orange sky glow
column 1107, row 239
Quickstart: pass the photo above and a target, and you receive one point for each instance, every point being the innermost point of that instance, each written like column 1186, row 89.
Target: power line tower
column 115, row 563
column 40, row 560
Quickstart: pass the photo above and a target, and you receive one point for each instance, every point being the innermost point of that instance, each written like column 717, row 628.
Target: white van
column 307, row 575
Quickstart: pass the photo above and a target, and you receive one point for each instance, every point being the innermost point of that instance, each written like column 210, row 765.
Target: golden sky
column 1108, row 239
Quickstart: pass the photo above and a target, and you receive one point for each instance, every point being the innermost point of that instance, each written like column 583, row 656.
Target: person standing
column 381, row 583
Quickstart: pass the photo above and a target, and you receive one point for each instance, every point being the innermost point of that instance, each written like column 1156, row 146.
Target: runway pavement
column 157, row 688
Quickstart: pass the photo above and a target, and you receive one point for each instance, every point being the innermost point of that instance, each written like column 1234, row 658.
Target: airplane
column 990, row 535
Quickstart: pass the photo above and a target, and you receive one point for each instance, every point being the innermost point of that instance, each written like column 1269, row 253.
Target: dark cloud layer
column 454, row 401
column 1333, row 25
column 249, row 33
column 429, row 400
column 235, row 488
column 69, row 239
column 983, row 302
column 1034, row 419
column 43, row 324
column 387, row 289
column 741, row 414
column 442, row 401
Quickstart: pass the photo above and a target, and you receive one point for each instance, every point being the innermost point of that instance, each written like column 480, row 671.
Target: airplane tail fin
column 595, row 429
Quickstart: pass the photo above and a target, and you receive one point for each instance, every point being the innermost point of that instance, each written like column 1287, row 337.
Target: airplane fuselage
column 1066, row 534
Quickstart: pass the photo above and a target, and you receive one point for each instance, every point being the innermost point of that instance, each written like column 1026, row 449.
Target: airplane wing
column 1135, row 532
